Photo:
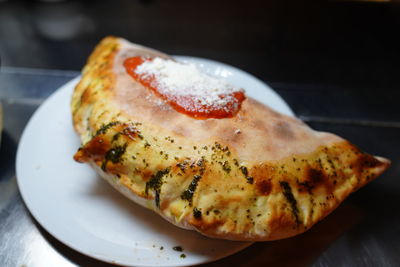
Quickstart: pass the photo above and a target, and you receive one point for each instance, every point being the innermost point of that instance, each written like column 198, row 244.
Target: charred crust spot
column 315, row 176
column 197, row 213
column 264, row 187
column 287, row 192
column 284, row 131
column 367, row 161
column 94, row 149
column 147, row 175
column 86, row 95
column 305, row 186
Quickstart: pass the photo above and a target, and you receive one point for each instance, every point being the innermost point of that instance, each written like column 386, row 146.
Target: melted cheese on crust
column 273, row 179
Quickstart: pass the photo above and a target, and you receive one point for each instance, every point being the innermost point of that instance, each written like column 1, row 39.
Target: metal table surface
column 363, row 231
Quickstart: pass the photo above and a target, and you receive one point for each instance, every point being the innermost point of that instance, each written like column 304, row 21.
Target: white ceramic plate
column 81, row 210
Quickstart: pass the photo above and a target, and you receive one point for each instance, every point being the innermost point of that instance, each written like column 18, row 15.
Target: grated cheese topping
column 185, row 79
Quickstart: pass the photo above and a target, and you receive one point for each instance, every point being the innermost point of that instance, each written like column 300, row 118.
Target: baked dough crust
column 258, row 176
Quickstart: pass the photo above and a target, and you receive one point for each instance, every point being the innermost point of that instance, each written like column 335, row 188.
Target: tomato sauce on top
column 186, row 88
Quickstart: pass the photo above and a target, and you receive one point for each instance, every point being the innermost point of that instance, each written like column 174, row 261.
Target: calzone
column 202, row 154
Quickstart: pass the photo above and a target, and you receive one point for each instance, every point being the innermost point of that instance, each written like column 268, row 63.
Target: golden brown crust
column 272, row 179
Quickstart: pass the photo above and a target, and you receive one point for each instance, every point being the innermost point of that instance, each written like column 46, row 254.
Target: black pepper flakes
column 197, row 213
column 250, row 179
column 178, row 248
column 244, row 170
column 200, row 162
column 182, row 166
column 287, row 192
column 226, row 167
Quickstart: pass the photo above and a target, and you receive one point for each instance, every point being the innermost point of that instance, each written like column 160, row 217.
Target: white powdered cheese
column 180, row 79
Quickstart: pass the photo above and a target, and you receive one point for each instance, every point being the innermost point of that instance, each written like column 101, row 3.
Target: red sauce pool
column 186, row 104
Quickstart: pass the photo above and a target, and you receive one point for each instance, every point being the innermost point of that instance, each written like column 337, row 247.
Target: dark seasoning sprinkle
column 155, row 183
column 103, row 129
column 287, row 192
column 178, row 248
column 197, row 213
column 188, row 193
column 114, row 155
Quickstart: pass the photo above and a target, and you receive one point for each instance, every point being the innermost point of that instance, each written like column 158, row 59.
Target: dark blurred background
column 353, row 44
column 336, row 63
